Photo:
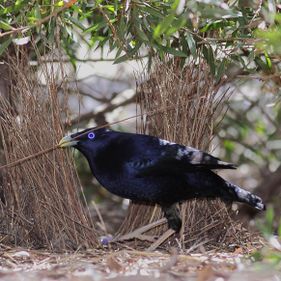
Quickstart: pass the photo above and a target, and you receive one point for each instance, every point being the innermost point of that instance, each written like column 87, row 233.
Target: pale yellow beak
column 67, row 141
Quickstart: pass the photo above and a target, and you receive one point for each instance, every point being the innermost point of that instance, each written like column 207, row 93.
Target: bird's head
column 82, row 140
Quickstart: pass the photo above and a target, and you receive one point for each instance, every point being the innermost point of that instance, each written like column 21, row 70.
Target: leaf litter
column 128, row 264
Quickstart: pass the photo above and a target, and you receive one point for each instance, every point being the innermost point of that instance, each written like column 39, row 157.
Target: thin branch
column 66, row 60
column 113, row 30
column 208, row 40
column 39, row 22
column 92, row 115
column 82, row 93
column 261, row 77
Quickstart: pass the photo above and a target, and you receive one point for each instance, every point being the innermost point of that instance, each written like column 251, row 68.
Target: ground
column 131, row 265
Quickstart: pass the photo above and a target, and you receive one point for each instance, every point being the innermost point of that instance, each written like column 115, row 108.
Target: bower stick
column 45, row 151
column 194, row 93
column 40, row 198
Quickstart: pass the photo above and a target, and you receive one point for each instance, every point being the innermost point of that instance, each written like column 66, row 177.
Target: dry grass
column 40, row 202
column 194, row 94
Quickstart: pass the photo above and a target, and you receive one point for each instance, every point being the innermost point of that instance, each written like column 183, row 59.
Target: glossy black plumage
column 145, row 168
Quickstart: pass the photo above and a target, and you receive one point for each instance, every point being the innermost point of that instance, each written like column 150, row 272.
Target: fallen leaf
column 238, row 251
column 113, row 264
column 206, row 274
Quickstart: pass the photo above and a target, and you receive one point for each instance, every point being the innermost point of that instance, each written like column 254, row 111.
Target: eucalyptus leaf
column 209, row 56
column 5, row 45
column 163, row 26
column 121, row 59
column 5, row 26
column 174, row 52
column 191, row 44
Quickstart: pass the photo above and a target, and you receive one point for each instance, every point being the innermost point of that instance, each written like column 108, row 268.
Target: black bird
column 148, row 169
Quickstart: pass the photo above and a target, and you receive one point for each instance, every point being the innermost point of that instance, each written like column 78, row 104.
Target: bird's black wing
column 171, row 157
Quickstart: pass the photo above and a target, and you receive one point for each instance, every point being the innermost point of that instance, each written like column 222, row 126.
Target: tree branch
column 113, row 30
column 39, row 22
column 92, row 115
column 66, row 60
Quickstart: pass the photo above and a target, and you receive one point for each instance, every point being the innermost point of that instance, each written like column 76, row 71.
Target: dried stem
column 194, row 93
column 40, row 201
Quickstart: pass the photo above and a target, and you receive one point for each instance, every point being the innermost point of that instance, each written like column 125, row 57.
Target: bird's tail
column 247, row 197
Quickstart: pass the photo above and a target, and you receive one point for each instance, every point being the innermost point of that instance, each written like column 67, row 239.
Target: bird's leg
column 139, row 232
column 171, row 213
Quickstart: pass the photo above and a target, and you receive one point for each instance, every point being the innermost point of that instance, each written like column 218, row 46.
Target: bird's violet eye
column 91, row 135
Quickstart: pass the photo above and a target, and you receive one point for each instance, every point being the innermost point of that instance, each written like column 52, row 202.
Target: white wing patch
column 193, row 155
column 241, row 192
column 165, row 142
column 187, row 151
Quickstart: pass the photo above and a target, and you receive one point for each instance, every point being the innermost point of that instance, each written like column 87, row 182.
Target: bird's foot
column 172, row 215
column 161, row 240
column 139, row 233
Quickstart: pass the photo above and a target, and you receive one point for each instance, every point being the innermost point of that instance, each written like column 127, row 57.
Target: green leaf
column 175, row 26
column 5, row 26
column 268, row 60
column 77, row 23
column 184, row 45
column 130, row 54
column 37, row 13
column 59, row 4
column 163, row 26
column 118, row 53
column 175, row 4
column 110, row 8
column 264, row 63
column 209, row 56
column 218, row 24
column 141, row 34
column 51, row 30
column 72, row 58
column 121, row 59
column 191, row 44
column 95, row 27
column 122, row 28
column 269, row 216
column 174, row 52
column 220, row 70
column 152, row 12
column 5, row 45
